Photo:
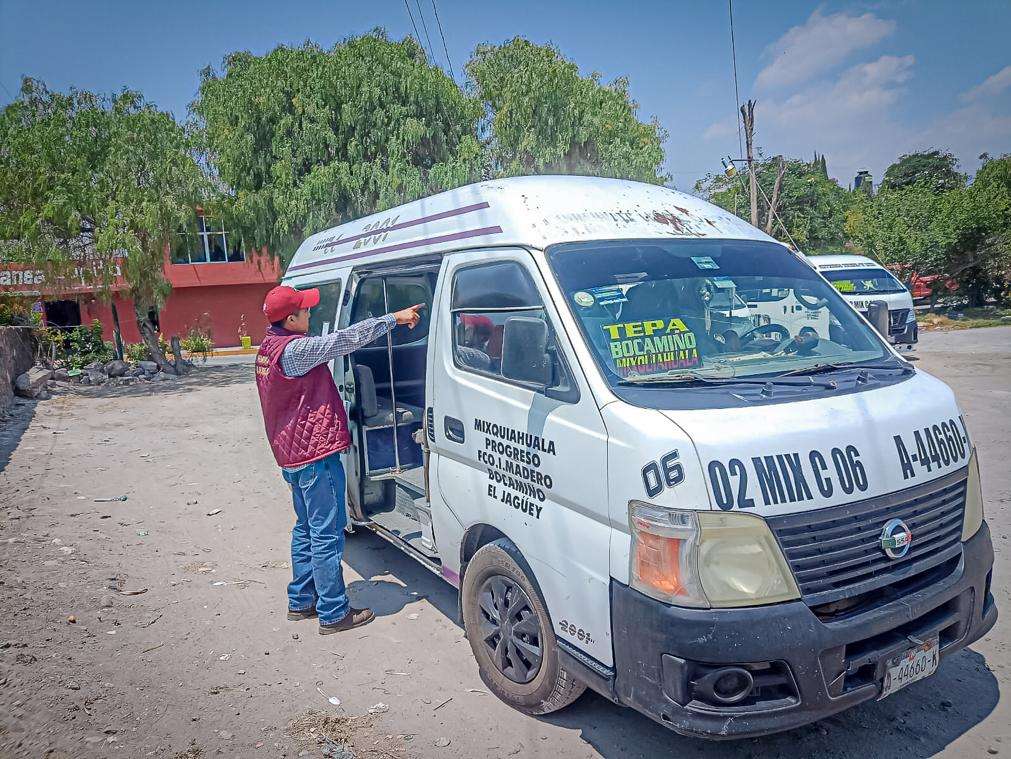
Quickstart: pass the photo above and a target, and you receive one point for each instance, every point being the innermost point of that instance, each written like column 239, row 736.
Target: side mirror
column 525, row 351
column 877, row 315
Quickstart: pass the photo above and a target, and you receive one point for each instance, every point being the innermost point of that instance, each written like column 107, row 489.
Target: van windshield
column 863, row 281
column 682, row 310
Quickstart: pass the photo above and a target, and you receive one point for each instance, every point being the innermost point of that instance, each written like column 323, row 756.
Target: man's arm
column 303, row 355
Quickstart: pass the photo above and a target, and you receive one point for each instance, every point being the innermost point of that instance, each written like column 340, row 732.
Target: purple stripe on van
column 467, row 233
column 405, row 224
column 451, row 576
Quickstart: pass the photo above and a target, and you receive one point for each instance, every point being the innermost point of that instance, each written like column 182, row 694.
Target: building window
column 209, row 243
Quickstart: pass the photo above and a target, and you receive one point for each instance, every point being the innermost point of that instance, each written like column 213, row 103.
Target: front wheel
column 510, row 633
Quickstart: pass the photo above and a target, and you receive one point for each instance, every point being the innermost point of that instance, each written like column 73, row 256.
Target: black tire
column 532, row 690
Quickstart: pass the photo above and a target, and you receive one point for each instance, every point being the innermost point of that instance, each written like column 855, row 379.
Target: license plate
column 909, row 666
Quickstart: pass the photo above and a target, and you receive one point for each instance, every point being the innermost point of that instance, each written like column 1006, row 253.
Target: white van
column 733, row 530
column 861, row 280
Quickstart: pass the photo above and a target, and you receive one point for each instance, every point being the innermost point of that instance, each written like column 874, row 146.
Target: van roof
column 531, row 211
column 843, row 261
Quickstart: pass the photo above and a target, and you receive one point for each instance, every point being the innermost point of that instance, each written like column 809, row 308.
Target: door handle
column 454, row 429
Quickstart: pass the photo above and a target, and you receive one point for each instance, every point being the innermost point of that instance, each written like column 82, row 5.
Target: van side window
column 401, row 292
column 323, row 318
column 485, row 298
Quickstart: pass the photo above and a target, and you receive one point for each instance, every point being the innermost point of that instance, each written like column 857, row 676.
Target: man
column 307, row 428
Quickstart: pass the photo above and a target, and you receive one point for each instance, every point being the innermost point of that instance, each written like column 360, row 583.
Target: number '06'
column 667, row 472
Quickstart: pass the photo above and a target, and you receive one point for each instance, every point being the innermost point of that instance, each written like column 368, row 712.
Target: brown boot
column 295, row 616
column 355, row 618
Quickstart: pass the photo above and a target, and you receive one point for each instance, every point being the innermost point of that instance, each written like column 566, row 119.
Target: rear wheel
column 510, row 633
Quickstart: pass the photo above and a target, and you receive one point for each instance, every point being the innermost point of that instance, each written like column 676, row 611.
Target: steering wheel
column 811, row 303
column 772, row 336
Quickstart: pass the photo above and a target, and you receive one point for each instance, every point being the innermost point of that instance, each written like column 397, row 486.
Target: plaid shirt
column 305, row 354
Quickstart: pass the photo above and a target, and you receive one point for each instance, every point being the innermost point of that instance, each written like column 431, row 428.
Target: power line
column 424, row 26
column 444, row 45
column 12, row 94
column 737, row 94
column 417, row 36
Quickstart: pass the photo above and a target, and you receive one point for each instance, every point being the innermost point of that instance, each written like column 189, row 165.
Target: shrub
column 198, row 342
column 77, row 347
column 136, row 352
column 18, row 312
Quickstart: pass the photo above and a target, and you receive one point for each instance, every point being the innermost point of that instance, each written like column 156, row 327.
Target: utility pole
column 774, row 201
column 748, row 118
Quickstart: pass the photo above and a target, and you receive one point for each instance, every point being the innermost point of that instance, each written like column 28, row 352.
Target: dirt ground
column 155, row 625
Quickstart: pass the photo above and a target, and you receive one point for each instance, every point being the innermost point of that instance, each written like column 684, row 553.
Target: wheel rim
column 510, row 629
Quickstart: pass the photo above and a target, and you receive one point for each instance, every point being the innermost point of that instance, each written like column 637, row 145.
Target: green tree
column 93, row 184
column 810, row 204
column 910, row 228
column 542, row 117
column 964, row 233
column 305, row 138
column 980, row 259
column 934, row 168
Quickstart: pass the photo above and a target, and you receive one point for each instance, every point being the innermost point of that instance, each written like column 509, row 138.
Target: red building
column 216, row 287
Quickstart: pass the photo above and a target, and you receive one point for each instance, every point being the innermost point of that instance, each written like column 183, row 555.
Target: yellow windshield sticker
column 652, row 346
column 845, row 285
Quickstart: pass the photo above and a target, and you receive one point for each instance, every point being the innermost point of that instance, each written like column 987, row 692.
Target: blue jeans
column 317, row 539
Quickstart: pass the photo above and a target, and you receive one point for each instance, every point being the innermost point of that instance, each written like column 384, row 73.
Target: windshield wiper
column 693, row 378
column 822, row 368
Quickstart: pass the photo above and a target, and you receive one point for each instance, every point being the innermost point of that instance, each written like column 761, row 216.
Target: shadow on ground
column 375, row 559
column 916, row 722
column 14, row 420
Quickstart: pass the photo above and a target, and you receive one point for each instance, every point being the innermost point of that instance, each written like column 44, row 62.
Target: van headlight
column 973, row 518
column 706, row 559
column 911, row 316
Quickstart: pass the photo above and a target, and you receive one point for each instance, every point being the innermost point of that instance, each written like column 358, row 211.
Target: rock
column 73, row 686
column 136, row 371
column 96, row 377
column 94, row 366
column 116, row 368
column 32, row 382
column 128, row 380
column 149, row 367
column 61, row 375
column 159, row 377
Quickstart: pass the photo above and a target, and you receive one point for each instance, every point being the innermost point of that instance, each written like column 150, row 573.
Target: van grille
column 897, row 320
column 835, row 553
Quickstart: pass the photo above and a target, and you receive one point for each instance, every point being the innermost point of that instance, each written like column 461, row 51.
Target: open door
column 384, row 384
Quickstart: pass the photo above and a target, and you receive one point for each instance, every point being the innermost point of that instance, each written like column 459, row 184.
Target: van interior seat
column 377, row 410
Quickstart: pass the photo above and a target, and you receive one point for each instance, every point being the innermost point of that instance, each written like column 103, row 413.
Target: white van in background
column 862, row 280
column 656, row 451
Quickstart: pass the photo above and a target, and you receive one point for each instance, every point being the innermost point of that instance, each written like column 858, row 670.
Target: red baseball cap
column 283, row 301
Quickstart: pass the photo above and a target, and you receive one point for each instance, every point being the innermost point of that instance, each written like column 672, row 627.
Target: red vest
column 304, row 416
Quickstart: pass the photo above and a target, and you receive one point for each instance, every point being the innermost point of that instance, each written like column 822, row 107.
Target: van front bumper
column 810, row 668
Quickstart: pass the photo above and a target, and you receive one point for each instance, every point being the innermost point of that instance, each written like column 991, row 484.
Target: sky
column 861, row 82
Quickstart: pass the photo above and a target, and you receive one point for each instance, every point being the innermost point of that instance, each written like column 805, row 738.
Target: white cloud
column 817, row 45
column 850, row 120
column 858, row 117
column 990, row 87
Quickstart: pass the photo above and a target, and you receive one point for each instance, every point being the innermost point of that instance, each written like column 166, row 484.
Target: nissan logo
column 896, row 539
